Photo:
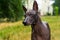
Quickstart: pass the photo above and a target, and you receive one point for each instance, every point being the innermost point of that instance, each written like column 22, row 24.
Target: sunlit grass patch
column 54, row 22
column 17, row 31
column 9, row 24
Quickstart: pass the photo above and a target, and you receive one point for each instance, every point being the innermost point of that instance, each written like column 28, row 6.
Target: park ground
column 17, row 31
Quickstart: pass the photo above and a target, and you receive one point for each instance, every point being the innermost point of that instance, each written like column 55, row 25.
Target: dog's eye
column 30, row 14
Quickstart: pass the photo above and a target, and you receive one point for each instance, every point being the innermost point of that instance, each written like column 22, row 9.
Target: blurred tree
column 57, row 3
column 16, row 9
column 56, row 11
column 11, row 9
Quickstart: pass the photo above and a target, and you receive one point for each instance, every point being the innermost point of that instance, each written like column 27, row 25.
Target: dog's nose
column 25, row 23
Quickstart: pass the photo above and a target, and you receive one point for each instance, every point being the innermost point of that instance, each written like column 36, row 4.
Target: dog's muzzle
column 25, row 24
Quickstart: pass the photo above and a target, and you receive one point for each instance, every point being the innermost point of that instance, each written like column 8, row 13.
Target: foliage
column 11, row 9
column 57, row 3
column 48, row 14
column 56, row 11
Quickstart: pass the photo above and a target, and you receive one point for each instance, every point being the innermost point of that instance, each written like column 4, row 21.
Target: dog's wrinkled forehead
column 31, row 12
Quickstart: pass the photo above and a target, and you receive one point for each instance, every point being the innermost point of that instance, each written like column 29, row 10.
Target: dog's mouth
column 25, row 24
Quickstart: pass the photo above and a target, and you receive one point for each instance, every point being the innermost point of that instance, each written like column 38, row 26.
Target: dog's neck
column 38, row 22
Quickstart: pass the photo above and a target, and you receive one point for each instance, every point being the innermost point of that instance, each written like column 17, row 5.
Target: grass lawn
column 17, row 31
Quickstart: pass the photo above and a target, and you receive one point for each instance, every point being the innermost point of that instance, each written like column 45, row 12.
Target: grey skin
column 40, row 30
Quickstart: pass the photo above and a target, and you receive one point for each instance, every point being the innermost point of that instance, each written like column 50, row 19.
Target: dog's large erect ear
column 35, row 6
column 24, row 9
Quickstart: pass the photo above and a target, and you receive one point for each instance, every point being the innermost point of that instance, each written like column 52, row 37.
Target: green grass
column 21, row 32
column 54, row 23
